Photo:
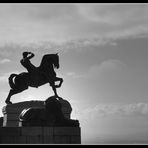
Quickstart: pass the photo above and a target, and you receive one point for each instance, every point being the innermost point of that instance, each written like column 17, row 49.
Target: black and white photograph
column 74, row 73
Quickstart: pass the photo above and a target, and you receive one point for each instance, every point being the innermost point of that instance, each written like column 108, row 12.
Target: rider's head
column 25, row 54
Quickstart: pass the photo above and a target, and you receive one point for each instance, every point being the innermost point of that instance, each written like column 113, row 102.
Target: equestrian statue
column 35, row 76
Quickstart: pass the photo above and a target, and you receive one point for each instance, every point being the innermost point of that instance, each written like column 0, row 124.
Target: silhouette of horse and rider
column 36, row 76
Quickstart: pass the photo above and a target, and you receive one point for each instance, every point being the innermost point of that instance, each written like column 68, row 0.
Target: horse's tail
column 11, row 82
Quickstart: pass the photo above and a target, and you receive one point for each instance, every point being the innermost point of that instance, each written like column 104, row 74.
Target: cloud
column 115, row 21
column 44, row 12
column 4, row 76
column 34, row 23
column 112, row 121
column 109, row 67
column 63, row 27
column 110, row 13
column 5, row 61
column 119, row 110
column 13, row 49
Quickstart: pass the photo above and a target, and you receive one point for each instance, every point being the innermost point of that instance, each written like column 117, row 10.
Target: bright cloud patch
column 121, row 110
column 111, row 66
column 5, row 61
column 37, row 22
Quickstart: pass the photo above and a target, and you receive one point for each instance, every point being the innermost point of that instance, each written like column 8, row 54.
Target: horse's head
column 55, row 60
column 49, row 59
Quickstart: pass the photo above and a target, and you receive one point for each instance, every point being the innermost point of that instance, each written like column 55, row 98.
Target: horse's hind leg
column 11, row 93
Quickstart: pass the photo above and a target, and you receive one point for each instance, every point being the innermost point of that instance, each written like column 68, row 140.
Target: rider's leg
column 54, row 88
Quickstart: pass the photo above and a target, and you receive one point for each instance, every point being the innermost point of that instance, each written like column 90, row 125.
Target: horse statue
column 43, row 74
column 51, row 115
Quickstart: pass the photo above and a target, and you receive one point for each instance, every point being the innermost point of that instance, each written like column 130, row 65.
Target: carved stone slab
column 11, row 112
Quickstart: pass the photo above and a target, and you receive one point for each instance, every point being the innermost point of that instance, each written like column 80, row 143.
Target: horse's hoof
column 60, row 98
column 57, row 86
column 8, row 102
column 56, row 96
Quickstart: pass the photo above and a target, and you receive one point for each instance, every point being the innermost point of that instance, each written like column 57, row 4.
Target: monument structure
column 38, row 122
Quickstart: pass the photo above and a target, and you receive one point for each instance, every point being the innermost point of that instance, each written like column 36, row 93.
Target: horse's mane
column 49, row 59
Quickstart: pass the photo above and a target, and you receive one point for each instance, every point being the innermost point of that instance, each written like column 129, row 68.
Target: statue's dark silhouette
column 1, row 121
column 52, row 115
column 36, row 76
column 26, row 62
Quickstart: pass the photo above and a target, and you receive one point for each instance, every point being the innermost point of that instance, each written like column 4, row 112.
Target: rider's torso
column 28, row 65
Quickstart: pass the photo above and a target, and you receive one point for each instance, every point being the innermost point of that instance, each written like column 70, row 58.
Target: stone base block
column 40, row 135
column 11, row 112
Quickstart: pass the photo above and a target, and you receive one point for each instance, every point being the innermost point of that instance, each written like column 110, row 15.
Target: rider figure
column 32, row 70
column 26, row 61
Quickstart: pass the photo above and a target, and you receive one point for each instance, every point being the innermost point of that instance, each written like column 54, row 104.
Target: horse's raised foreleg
column 58, row 79
column 52, row 84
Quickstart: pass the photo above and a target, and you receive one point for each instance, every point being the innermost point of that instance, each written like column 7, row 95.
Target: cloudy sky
column 103, row 60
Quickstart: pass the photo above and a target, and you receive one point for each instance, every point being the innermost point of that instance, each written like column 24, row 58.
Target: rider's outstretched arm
column 31, row 56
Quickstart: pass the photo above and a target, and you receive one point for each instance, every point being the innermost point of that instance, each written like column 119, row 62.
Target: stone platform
column 40, row 135
column 11, row 112
column 13, row 133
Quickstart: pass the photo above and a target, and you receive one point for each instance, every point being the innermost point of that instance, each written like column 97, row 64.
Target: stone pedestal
column 11, row 112
column 13, row 133
column 40, row 135
column 66, row 108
